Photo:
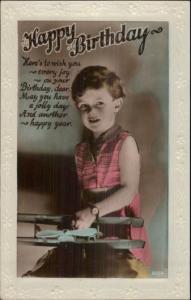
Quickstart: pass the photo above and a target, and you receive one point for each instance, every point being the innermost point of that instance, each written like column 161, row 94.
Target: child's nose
column 92, row 111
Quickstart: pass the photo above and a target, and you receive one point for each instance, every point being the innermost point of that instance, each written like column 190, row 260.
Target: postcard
column 95, row 135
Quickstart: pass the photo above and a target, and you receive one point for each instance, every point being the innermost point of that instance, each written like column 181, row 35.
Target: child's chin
column 95, row 131
column 94, row 127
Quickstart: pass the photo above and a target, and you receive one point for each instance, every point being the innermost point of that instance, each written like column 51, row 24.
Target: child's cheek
column 83, row 117
column 100, row 110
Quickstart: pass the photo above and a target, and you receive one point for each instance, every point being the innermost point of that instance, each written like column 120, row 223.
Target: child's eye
column 83, row 107
column 99, row 104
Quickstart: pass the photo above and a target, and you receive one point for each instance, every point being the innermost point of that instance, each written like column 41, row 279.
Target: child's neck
column 96, row 135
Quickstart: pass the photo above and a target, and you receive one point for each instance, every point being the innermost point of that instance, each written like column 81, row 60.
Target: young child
column 108, row 168
column 107, row 161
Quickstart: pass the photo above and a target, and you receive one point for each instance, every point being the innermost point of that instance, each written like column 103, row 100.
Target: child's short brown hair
column 95, row 77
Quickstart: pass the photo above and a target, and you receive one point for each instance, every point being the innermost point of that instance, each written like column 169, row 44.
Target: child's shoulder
column 123, row 134
column 128, row 140
column 129, row 145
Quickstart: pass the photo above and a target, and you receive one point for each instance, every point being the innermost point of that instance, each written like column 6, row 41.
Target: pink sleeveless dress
column 97, row 165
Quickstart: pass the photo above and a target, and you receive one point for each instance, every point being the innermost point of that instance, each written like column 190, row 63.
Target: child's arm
column 129, row 162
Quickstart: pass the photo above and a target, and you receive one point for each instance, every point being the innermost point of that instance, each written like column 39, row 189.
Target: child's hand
column 84, row 219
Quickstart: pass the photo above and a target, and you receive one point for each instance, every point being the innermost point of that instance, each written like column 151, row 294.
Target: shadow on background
column 51, row 175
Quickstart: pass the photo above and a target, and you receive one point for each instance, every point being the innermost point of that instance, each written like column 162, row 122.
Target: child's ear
column 118, row 104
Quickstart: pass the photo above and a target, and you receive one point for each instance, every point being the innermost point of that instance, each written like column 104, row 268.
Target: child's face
column 98, row 110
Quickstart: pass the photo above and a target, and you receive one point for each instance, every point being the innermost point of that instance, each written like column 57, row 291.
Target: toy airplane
column 68, row 235
column 78, row 236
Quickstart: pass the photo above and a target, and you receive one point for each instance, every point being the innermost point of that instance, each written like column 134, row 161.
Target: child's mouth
column 93, row 121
